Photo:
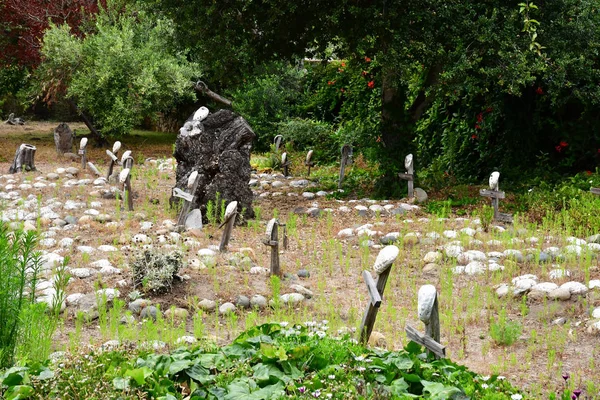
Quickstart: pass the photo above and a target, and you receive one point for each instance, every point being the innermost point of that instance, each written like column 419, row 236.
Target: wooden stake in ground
column 382, row 267
column 346, row 160
column 409, row 175
column 188, row 197
column 308, row 162
column 113, row 160
column 495, row 195
column 228, row 221
column 83, row 152
column 429, row 314
column 285, row 164
column 272, row 240
column 24, row 159
column 277, row 140
column 125, row 180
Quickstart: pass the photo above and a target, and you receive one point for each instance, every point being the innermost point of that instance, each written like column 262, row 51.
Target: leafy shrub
column 505, row 332
column 19, row 266
column 154, row 271
column 309, row 134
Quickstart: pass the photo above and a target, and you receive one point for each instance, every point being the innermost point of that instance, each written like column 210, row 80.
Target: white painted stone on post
column 426, row 299
column 201, row 114
column 116, row 147
column 385, row 258
column 494, row 178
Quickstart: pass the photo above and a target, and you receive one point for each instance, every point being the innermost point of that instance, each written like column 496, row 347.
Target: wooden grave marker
column 83, row 152
column 495, row 195
column 277, row 141
column 382, row 267
column 285, row 164
column 409, row 175
column 229, row 220
column 94, row 169
column 429, row 314
column 308, row 162
column 113, row 158
column 24, row 159
column 125, row 180
column 189, row 197
column 346, row 160
column 272, row 240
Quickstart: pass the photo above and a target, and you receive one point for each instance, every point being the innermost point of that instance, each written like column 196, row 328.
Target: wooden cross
column 346, row 160
column 409, row 175
column 125, row 180
column 285, row 164
column 277, row 142
column 113, row 158
column 189, row 197
column 272, row 240
column 429, row 314
column 495, row 195
column 382, row 267
column 228, row 221
column 308, row 162
column 83, row 152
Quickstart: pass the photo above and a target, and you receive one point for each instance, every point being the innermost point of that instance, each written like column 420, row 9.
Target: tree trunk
column 98, row 139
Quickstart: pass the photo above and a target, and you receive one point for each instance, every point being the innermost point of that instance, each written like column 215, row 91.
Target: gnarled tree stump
column 24, row 159
column 63, row 138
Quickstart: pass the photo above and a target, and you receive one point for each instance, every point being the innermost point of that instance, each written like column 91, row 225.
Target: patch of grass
column 505, row 332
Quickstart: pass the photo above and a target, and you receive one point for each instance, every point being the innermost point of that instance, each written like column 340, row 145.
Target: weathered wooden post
column 94, row 169
column 113, row 160
column 228, row 221
column 277, row 142
column 188, row 197
column 495, row 195
column 24, row 159
column 308, row 162
column 285, row 164
column 272, row 240
column 346, row 160
column 382, row 267
column 83, row 152
column 429, row 314
column 409, row 175
column 125, row 180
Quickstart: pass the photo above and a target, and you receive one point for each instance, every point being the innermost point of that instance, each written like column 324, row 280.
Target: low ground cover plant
column 269, row 361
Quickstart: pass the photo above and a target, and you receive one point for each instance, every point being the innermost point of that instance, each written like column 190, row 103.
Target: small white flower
column 283, row 324
column 485, row 377
column 331, row 376
column 361, row 369
column 484, row 385
column 359, row 358
column 516, row 396
column 501, row 377
column 329, row 395
column 321, row 334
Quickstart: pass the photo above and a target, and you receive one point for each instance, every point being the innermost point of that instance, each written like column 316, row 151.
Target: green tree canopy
column 121, row 72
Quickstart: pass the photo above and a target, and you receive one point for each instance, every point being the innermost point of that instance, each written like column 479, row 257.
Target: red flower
column 480, row 117
column 558, row 148
column 378, row 140
column 473, row 137
column 343, row 64
column 477, row 126
column 340, row 70
column 367, row 59
column 563, row 143
column 371, row 84
column 588, row 172
column 539, row 90
column 342, row 90
column 331, row 83
column 489, row 109
column 364, row 73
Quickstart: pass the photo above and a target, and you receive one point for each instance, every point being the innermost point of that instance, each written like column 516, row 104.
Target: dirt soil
column 468, row 305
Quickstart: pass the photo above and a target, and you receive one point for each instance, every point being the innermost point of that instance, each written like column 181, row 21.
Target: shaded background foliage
column 468, row 86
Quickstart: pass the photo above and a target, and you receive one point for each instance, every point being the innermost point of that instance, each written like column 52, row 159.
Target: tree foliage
column 122, row 72
column 24, row 22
